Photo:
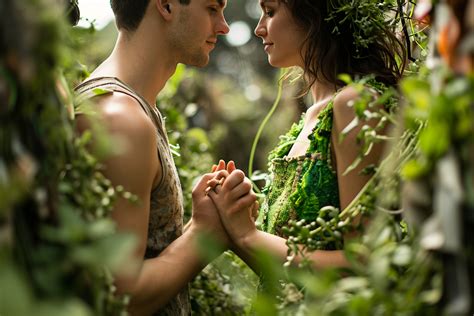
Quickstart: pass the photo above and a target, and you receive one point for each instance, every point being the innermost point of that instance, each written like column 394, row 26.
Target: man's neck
column 138, row 62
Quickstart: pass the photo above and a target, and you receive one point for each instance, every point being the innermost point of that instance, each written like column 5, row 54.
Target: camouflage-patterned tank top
column 166, row 199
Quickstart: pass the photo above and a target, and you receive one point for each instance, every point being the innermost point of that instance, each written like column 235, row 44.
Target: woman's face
column 281, row 36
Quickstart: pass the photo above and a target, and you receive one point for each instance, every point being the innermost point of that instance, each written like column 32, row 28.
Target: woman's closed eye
column 269, row 12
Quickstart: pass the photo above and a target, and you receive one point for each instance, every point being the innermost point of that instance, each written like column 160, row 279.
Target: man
column 154, row 36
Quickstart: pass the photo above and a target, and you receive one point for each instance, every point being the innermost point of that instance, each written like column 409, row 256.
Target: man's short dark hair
column 129, row 13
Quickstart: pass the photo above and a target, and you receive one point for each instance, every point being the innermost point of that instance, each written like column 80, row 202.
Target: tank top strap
column 104, row 85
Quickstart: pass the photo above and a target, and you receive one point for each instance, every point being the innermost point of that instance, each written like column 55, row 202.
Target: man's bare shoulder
column 133, row 162
column 120, row 114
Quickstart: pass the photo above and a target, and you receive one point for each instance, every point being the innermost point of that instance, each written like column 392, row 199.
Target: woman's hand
column 235, row 202
column 230, row 167
column 222, row 166
column 205, row 217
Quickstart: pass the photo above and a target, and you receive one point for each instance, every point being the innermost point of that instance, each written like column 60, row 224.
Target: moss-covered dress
column 300, row 186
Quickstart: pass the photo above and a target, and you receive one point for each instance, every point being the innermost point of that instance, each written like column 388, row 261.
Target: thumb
column 254, row 210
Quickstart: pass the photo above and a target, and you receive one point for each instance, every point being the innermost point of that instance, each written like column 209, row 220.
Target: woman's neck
column 322, row 90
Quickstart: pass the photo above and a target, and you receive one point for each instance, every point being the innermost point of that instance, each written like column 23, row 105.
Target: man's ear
column 165, row 8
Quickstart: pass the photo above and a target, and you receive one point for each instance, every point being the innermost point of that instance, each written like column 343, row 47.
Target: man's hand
column 230, row 167
column 235, row 202
column 205, row 217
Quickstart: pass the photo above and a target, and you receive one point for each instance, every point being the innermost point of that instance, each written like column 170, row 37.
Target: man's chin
column 200, row 62
column 201, row 65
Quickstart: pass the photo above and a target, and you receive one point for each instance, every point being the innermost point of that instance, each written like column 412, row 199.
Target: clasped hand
column 232, row 194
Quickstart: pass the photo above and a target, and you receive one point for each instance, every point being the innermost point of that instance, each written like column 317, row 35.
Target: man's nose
column 223, row 27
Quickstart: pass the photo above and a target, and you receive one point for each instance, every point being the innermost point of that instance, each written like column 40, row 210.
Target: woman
column 308, row 168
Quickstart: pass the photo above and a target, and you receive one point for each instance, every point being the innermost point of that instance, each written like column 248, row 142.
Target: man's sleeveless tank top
column 166, row 199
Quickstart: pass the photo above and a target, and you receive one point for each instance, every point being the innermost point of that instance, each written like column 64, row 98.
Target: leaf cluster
column 363, row 18
column 58, row 244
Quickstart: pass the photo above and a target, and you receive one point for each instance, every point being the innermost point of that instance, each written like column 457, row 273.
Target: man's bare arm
column 152, row 283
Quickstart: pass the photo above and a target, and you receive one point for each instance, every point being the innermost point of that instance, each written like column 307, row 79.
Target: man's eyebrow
column 222, row 3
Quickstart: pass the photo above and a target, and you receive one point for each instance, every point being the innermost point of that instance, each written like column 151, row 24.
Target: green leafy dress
column 300, row 186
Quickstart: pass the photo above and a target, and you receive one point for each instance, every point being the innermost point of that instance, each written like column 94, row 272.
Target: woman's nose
column 260, row 29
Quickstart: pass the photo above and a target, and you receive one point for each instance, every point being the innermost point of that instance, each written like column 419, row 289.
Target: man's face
column 196, row 30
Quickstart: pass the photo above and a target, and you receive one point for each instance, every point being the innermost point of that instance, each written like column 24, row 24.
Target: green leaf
column 413, row 169
column 435, row 139
column 101, row 91
column 345, row 78
column 417, row 91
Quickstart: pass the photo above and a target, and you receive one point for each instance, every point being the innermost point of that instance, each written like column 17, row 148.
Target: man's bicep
column 131, row 216
column 132, row 161
column 134, row 168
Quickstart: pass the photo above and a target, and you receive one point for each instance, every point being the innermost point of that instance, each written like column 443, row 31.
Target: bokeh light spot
column 239, row 34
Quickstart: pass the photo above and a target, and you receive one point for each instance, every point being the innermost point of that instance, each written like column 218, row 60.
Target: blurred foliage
column 58, row 245
column 445, row 114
